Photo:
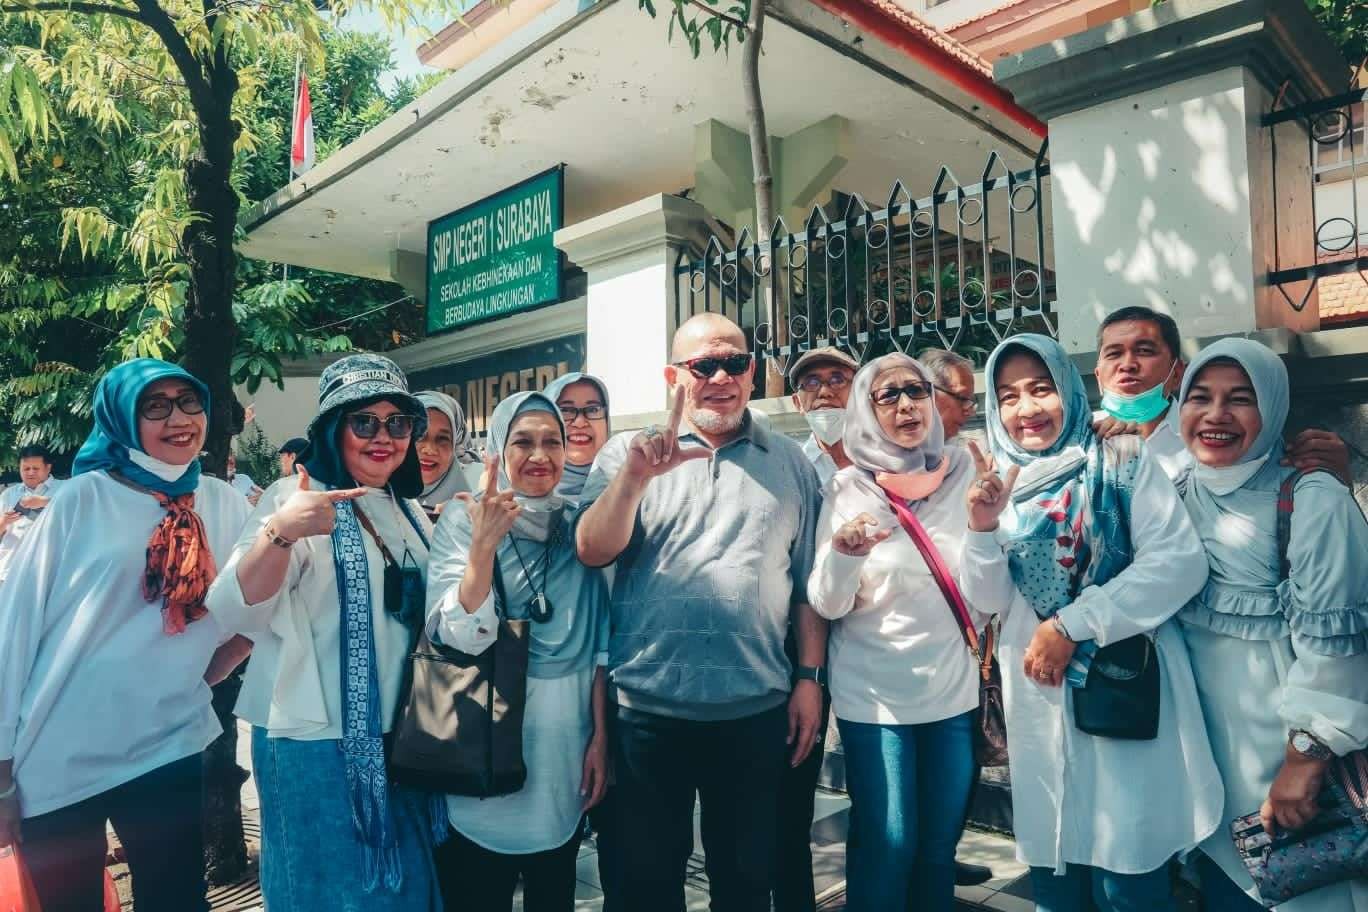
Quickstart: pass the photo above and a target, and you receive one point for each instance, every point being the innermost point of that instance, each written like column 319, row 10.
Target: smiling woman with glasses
column 329, row 575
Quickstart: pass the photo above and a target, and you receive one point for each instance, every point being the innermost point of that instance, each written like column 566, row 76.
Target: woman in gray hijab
column 519, row 527
column 903, row 685
column 1280, row 654
column 441, row 451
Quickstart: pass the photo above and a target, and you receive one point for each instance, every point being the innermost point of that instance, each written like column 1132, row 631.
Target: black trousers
column 159, row 821
column 794, row 890
column 734, row 767
column 474, row 879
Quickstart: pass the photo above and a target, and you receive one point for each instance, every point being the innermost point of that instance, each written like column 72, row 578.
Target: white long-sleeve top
column 1123, row 806
column 896, row 653
column 93, row 692
column 293, row 685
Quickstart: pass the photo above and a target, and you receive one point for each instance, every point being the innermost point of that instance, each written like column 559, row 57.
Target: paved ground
column 1007, row 892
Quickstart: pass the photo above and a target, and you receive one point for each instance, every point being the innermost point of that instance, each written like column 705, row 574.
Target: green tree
column 1347, row 23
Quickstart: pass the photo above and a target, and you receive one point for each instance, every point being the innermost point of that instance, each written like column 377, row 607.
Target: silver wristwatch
column 1308, row 745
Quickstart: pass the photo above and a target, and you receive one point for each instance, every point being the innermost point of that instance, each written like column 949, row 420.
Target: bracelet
column 9, row 792
column 277, row 539
column 1060, row 629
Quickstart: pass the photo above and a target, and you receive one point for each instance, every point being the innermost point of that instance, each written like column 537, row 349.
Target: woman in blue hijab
column 1280, row 650
column 1082, row 544
column 105, row 645
column 520, row 528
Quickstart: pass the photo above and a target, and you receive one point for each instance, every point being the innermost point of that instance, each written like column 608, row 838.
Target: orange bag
column 16, row 889
column 111, row 900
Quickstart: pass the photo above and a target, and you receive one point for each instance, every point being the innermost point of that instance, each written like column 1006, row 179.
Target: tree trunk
column 210, row 337
column 760, row 169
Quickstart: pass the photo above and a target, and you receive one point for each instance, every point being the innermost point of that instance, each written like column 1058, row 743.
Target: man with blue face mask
column 1139, row 371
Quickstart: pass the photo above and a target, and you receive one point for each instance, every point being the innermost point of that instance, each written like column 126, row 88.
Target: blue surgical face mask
column 1140, row 408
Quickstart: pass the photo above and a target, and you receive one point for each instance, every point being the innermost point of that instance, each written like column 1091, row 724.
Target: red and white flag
column 302, row 136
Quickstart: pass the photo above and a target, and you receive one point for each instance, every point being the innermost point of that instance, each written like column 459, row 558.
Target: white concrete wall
column 283, row 413
column 1335, row 199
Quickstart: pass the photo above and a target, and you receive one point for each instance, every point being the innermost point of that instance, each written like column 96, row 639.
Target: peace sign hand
column 491, row 516
column 989, row 494
column 854, row 540
column 655, row 451
column 308, row 512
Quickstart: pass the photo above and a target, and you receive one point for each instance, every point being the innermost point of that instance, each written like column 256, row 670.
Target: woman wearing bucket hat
column 327, row 580
column 105, row 647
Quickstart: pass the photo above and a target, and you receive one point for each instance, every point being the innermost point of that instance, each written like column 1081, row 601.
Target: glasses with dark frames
column 812, row 382
column 594, row 412
column 159, row 408
column 707, row 366
column 968, row 403
column 889, row 395
column 367, row 424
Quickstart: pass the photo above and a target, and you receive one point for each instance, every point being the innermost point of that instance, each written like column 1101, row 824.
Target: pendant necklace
column 539, row 607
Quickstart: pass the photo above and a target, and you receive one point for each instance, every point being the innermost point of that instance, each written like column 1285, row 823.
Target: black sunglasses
column 889, row 395
column 968, row 403
column 157, row 408
column 366, row 425
column 705, row 367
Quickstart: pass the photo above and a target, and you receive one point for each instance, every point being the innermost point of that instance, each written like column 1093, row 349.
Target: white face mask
column 827, row 424
column 163, row 470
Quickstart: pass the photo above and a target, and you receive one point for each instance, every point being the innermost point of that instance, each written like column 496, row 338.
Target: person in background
column 1280, row 656
column 242, row 482
column 1084, row 543
column 1140, row 369
column 441, row 451
column 712, row 531
column 107, row 653
column 520, row 528
column 289, row 452
column 904, row 687
column 583, row 402
column 954, row 389
column 821, row 388
column 306, row 581
column 21, row 504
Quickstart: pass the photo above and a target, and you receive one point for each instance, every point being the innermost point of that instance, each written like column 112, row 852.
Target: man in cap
column 289, row 451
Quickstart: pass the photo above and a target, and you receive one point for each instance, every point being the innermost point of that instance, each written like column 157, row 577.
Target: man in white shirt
column 1139, row 372
column 243, row 484
column 20, row 504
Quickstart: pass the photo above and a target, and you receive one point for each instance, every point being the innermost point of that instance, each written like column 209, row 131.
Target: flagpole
column 289, row 148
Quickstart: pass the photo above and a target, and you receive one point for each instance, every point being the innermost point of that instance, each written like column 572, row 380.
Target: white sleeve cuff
column 468, row 632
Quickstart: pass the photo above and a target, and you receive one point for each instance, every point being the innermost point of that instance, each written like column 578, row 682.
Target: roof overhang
column 600, row 88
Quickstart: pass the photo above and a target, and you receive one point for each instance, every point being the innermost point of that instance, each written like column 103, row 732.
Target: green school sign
column 498, row 256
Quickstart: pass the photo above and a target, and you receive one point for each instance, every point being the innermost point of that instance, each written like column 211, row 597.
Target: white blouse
column 93, row 692
column 897, row 656
column 293, row 685
column 1123, row 806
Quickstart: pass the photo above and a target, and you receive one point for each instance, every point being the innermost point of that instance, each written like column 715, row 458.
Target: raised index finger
column 346, row 494
column 676, row 409
column 491, row 475
column 980, row 464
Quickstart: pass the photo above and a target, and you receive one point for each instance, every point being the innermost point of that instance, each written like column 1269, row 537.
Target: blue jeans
column 1082, row 888
column 909, row 785
column 1219, row 892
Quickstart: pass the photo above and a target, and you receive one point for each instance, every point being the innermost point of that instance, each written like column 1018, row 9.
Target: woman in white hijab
column 903, row 685
column 1280, row 655
column 441, row 451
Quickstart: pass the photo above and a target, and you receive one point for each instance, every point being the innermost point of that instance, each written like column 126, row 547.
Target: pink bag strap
column 936, row 564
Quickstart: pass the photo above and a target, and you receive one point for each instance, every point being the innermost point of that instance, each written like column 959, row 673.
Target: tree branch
column 160, row 21
column 716, row 13
column 92, row 9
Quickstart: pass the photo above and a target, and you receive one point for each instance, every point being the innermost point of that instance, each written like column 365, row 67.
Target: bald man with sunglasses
column 711, row 522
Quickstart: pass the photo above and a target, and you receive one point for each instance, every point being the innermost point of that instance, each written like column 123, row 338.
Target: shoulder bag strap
column 362, row 518
column 913, row 527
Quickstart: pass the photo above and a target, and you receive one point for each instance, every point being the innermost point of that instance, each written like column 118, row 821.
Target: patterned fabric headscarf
column 180, row 566
column 1072, row 504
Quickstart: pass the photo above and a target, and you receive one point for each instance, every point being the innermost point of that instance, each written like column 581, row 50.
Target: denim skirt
column 311, row 855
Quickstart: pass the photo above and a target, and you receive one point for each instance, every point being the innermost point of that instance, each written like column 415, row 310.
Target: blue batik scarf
column 363, row 745
column 1072, row 502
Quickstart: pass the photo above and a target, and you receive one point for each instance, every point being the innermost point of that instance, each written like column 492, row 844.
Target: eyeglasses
column 890, row 395
column 968, row 403
column 367, row 424
column 158, row 408
column 812, row 382
column 593, row 412
column 705, row 367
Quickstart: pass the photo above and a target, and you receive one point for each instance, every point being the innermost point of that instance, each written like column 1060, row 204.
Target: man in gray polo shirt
column 711, row 521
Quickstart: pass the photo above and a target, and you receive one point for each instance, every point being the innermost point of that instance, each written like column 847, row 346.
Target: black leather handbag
column 1121, row 697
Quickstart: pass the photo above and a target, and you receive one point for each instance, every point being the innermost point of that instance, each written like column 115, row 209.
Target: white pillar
column 629, row 256
column 1161, row 184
